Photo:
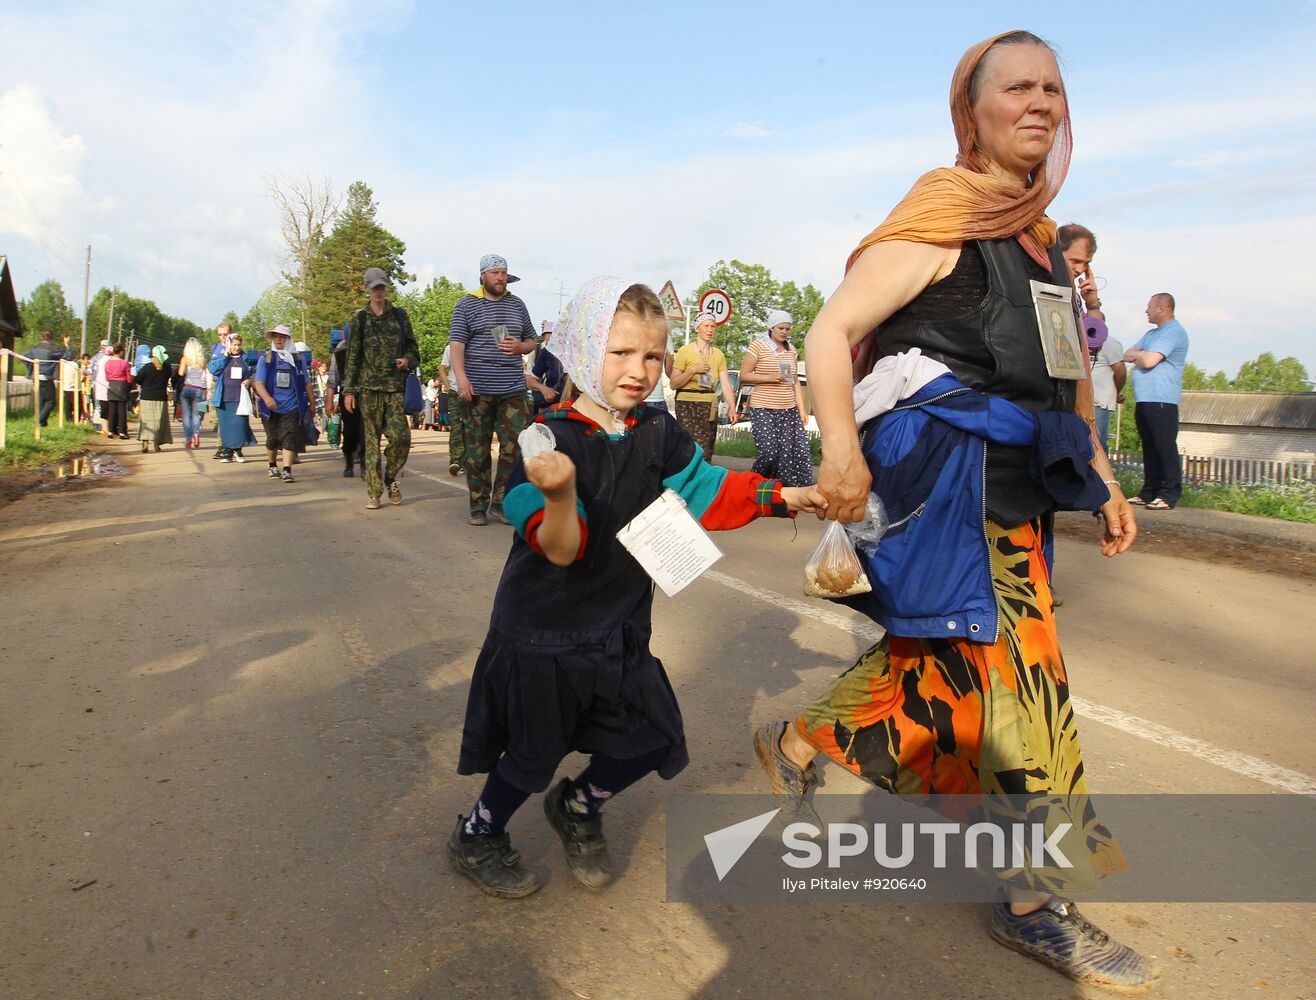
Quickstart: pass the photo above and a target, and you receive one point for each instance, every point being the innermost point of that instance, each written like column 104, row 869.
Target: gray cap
column 375, row 277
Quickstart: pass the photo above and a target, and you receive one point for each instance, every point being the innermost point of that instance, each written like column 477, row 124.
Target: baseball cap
column 375, row 276
column 496, row 262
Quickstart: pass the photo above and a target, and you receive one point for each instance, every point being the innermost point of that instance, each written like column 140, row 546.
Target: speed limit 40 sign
column 717, row 304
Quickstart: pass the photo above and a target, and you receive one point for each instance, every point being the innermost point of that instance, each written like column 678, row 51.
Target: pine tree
column 333, row 286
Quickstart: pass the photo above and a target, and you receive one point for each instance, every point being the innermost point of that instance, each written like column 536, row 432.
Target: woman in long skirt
column 776, row 406
column 232, row 377
column 152, row 381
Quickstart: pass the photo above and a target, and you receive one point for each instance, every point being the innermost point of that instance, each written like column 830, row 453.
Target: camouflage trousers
column 384, row 413
column 507, row 416
column 457, row 408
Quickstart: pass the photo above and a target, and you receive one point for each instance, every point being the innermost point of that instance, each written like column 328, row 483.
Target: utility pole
column 109, row 323
column 86, row 292
column 561, row 294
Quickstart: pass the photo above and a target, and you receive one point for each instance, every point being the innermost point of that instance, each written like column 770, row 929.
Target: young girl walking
column 566, row 664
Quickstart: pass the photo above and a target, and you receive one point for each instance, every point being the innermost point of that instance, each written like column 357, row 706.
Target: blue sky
column 647, row 140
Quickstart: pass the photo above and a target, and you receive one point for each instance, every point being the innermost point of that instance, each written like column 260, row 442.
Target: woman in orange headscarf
column 948, row 273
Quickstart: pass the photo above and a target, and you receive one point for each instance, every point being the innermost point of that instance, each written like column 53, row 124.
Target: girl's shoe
column 237, row 456
column 582, row 838
column 490, row 862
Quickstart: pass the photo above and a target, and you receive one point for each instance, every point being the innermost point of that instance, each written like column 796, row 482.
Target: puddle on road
column 84, row 467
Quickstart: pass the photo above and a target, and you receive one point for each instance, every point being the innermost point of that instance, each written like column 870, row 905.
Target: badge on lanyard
column 669, row 543
column 1057, row 326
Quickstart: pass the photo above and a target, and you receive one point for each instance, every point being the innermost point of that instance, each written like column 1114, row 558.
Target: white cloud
column 41, row 193
column 747, row 130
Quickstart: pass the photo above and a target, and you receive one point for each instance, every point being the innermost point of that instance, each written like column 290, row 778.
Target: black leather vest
column 994, row 347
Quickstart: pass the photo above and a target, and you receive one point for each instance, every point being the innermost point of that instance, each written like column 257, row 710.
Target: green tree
column 1266, row 374
column 139, row 321
column 754, row 293
column 1218, row 382
column 47, row 309
column 430, row 309
column 1193, row 377
column 231, row 318
column 277, row 304
column 333, row 285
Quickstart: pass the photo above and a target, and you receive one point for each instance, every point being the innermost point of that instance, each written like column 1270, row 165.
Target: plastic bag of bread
column 834, row 570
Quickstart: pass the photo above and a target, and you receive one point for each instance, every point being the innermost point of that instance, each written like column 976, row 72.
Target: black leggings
column 116, row 416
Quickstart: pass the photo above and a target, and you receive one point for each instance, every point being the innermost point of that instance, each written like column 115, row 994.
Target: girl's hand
column 698, row 367
column 806, row 498
column 553, row 474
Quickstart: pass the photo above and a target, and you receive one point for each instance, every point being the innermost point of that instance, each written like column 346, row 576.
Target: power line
column 34, row 217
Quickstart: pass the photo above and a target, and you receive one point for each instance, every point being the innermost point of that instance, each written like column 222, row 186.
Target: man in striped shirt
column 490, row 332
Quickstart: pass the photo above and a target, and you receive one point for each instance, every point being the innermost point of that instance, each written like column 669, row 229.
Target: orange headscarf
column 966, row 202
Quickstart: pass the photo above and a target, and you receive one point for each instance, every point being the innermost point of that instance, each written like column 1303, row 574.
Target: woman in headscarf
column 973, row 697
column 231, row 394
column 152, row 380
column 698, row 371
column 776, row 404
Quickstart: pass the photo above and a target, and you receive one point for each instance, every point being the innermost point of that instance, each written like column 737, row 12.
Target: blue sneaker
column 1056, row 935
column 786, row 780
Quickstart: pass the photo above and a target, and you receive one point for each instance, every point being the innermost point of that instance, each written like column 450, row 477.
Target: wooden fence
column 1200, row 470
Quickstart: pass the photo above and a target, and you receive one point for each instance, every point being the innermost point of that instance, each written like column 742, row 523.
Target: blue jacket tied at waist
column 931, row 574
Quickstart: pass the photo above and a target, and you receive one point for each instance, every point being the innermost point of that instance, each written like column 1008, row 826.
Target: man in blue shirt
column 1158, row 360
column 489, row 333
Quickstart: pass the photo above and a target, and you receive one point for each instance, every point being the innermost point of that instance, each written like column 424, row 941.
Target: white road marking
column 818, row 611
column 452, row 484
column 1231, row 760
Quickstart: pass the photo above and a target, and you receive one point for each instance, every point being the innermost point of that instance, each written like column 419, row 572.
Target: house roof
column 1287, row 410
column 11, row 322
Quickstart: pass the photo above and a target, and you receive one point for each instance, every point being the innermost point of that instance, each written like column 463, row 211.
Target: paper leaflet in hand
column 535, row 440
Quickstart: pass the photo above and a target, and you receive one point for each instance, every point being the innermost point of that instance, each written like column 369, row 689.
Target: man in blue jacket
column 46, row 371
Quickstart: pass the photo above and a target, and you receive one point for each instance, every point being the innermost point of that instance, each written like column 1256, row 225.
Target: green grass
column 740, row 444
column 56, row 444
column 1288, row 502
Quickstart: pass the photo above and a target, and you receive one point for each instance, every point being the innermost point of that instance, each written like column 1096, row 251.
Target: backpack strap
column 404, row 328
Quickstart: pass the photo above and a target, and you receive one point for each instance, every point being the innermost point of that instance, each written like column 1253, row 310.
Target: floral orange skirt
column 951, row 716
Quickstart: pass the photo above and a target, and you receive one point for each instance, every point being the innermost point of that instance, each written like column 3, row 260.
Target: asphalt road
column 231, row 709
